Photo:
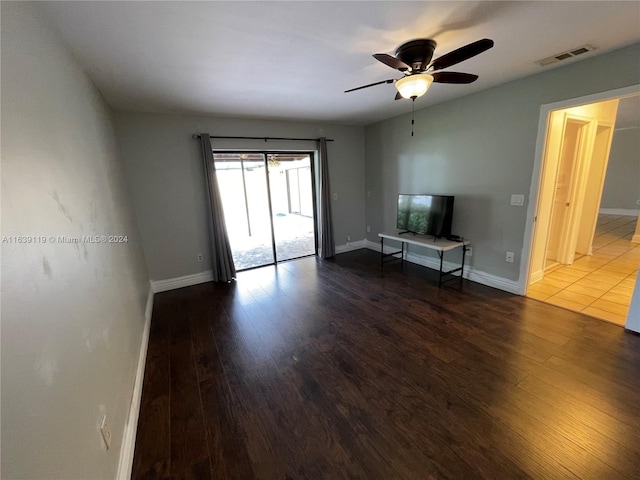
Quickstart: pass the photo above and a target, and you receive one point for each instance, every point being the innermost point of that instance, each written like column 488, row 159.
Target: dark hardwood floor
column 335, row 370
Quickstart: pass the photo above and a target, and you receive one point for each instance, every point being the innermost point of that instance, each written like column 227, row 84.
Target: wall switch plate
column 335, row 196
column 517, row 200
column 368, row 193
column 469, row 252
column 200, row 258
column 638, row 202
column 106, row 432
column 510, row 257
column 368, row 229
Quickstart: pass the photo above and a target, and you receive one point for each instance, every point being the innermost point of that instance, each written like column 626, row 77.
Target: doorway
column 583, row 256
column 575, row 160
column 269, row 205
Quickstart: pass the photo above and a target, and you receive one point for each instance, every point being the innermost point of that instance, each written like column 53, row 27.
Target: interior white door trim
column 545, row 111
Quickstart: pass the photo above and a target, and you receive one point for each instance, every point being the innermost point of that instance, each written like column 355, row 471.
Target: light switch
column 517, row 200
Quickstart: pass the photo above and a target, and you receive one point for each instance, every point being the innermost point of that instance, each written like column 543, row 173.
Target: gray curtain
column 327, row 244
column 221, row 259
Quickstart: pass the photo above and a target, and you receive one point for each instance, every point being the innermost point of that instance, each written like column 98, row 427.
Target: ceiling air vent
column 564, row 55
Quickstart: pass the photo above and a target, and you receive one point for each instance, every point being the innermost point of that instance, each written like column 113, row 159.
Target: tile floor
column 599, row 285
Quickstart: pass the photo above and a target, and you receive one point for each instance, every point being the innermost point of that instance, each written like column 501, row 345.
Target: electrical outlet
column 638, row 202
column 510, row 257
column 348, row 238
column 368, row 229
column 105, row 430
column 200, row 258
column 469, row 252
column 517, row 200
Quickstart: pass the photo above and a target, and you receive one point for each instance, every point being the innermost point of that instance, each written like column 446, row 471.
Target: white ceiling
column 293, row 60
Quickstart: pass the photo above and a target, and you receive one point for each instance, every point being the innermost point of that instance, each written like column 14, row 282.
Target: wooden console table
column 440, row 245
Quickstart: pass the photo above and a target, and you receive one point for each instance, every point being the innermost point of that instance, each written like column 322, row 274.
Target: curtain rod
column 197, row 135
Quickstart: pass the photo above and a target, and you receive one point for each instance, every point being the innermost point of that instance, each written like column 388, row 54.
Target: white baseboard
column 504, row 284
column 131, row 426
column 627, row 212
column 470, row 273
column 349, row 247
column 372, row 245
column 536, row 277
column 180, row 282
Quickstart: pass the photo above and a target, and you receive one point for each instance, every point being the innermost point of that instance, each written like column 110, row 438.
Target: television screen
column 425, row 214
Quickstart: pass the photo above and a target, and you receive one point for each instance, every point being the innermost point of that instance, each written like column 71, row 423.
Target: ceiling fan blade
column 453, row 77
column 398, row 96
column 391, row 80
column 461, row 54
column 392, row 62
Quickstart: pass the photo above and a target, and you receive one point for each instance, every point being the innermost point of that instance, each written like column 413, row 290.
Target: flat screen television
column 425, row 214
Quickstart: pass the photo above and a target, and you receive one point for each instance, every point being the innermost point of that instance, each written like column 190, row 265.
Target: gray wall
column 481, row 149
column 164, row 167
column 72, row 314
column 622, row 183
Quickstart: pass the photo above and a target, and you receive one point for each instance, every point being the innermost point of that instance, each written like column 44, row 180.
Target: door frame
column 600, row 174
column 265, row 154
column 545, row 112
column 578, row 184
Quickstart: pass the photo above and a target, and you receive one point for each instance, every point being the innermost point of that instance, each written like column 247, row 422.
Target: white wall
column 622, row 183
column 481, row 149
column 72, row 314
column 164, row 167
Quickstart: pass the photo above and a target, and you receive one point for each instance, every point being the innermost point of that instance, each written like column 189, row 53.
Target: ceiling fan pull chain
column 413, row 113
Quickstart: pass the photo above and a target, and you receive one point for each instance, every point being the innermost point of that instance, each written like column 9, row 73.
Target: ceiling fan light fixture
column 414, row 86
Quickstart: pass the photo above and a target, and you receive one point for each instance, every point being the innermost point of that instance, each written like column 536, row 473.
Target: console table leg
column 381, row 253
column 464, row 254
column 440, row 254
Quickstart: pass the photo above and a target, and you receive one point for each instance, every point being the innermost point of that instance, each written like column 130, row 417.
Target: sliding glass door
column 292, row 203
column 269, row 206
column 242, row 180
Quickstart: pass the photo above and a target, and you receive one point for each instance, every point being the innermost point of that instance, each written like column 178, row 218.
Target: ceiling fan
column 413, row 59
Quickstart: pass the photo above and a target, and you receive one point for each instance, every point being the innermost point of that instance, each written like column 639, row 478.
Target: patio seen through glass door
column 268, row 201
